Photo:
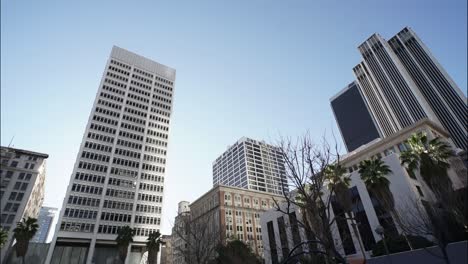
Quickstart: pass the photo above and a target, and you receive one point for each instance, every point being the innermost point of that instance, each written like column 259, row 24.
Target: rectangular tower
column 403, row 83
column 352, row 115
column 22, row 178
column 441, row 92
column 253, row 165
column 45, row 221
column 118, row 177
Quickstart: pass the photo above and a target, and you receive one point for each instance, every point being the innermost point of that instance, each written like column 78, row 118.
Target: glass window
column 19, row 197
column 17, row 185
column 8, row 207
column 14, row 164
column 9, row 174
column 21, row 176
column 10, row 219
column 28, row 176
column 15, row 207
column 24, row 186
column 26, row 165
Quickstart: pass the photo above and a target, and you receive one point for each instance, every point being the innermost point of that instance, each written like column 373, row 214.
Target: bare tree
column 305, row 164
column 200, row 237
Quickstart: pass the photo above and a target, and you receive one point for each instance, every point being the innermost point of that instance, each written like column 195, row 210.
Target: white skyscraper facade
column 253, row 165
column 118, row 176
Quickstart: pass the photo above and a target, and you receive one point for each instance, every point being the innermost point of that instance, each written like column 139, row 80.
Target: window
column 28, row 176
column 15, row 207
column 31, row 166
column 21, row 176
column 14, row 164
column 9, row 174
column 24, row 186
column 12, row 195
column 10, row 219
column 26, row 165
column 17, row 185
column 7, row 207
column 19, row 197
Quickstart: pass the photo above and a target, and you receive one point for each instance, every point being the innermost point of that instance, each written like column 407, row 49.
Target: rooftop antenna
column 11, row 141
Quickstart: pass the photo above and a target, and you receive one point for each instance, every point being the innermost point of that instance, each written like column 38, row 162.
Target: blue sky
column 258, row 68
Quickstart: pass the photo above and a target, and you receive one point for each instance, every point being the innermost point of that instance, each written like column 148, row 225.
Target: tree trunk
column 123, row 253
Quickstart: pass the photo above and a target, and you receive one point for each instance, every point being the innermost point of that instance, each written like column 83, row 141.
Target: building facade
column 352, row 115
column 408, row 189
column 402, row 83
column 118, row 176
column 252, row 165
column 179, row 234
column 22, row 188
column 233, row 213
column 166, row 250
column 45, row 221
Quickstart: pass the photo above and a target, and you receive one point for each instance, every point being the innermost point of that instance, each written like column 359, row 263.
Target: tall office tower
column 118, row 176
column 253, row 165
column 402, row 83
column 21, row 188
column 353, row 118
column 45, row 221
column 441, row 92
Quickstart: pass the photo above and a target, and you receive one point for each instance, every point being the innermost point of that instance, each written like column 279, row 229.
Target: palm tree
column 3, row 237
column 374, row 173
column 339, row 183
column 123, row 239
column 24, row 231
column 430, row 157
column 153, row 243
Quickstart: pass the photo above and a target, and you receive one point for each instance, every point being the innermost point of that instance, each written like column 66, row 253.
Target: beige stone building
column 234, row 213
column 21, row 187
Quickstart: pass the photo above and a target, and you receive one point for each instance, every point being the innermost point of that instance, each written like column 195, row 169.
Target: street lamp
column 381, row 232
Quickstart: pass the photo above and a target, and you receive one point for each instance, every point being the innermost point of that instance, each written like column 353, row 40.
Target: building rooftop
column 27, row 152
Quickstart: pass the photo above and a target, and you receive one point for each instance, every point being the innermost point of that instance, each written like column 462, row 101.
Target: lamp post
column 381, row 232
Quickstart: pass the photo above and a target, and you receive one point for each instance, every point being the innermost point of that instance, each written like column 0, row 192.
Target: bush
column 399, row 244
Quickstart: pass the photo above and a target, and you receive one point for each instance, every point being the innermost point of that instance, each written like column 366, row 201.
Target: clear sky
column 257, row 68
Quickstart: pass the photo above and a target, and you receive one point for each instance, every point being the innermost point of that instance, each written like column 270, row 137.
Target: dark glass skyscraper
column 402, row 83
column 353, row 117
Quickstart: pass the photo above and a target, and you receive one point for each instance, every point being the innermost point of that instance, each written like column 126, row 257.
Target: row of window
column 141, row 85
column 135, row 112
column 107, row 112
column 140, row 219
column 160, row 98
column 141, row 79
column 100, row 137
column 132, row 127
column 138, row 105
column 110, row 97
column 83, row 201
column 122, row 183
column 115, row 83
column 151, row 187
column 149, row 198
column 116, row 76
column 92, row 167
column 95, row 156
column 80, row 213
column 109, row 104
column 113, row 90
column 136, row 97
column 148, row 208
column 144, row 231
column 118, row 205
column 134, row 120
column 154, row 159
column 97, row 146
column 153, row 168
column 76, row 187
column 136, row 90
column 156, row 142
column 155, row 150
column 123, row 172
column 116, row 217
column 157, row 134
column 129, row 144
column 123, row 65
column 158, row 126
column 11, row 207
column 125, row 162
column 161, row 105
column 159, row 91
column 89, row 177
column 76, row 227
column 143, row 73
column 119, row 70
column 128, row 153
column 160, row 119
column 130, row 135
column 161, row 112
column 120, row 194
column 105, row 120
column 16, row 196
column 152, row 177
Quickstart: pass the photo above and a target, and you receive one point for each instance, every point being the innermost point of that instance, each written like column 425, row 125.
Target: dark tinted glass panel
column 353, row 119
